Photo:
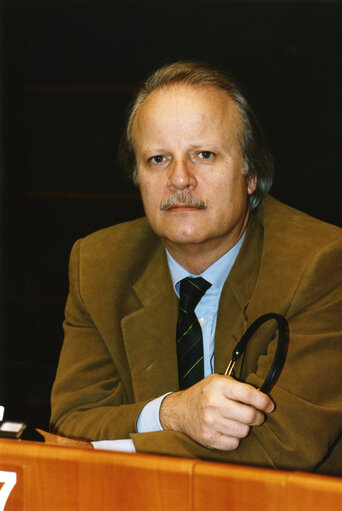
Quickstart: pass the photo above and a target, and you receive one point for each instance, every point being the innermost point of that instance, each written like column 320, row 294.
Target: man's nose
column 181, row 175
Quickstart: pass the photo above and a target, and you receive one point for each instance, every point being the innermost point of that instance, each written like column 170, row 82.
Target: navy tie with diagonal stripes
column 189, row 333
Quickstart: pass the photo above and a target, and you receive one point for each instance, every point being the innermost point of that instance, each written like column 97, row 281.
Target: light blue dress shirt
column 206, row 312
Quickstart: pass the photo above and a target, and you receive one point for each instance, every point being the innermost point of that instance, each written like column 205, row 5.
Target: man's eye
column 157, row 159
column 205, row 155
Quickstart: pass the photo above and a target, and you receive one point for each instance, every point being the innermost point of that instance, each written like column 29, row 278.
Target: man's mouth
column 182, row 200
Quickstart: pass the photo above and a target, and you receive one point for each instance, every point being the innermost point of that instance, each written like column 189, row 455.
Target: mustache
column 182, row 198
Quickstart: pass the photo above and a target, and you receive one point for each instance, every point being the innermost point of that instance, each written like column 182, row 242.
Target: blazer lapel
column 232, row 320
column 149, row 333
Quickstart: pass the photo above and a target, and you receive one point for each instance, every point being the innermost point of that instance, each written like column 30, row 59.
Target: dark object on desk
column 19, row 431
column 280, row 356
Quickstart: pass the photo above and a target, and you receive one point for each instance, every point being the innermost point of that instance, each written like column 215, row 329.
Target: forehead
column 184, row 104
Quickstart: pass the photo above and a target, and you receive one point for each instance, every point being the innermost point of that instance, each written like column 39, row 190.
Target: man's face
column 189, row 162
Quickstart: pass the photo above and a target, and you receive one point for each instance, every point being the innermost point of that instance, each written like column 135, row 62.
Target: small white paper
column 124, row 445
column 11, row 427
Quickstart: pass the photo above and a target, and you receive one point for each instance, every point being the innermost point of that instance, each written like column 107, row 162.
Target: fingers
column 244, row 393
column 233, row 428
column 245, row 414
column 221, row 442
column 225, row 436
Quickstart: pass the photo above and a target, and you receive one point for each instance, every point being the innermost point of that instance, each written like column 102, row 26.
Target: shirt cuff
column 148, row 420
column 125, row 445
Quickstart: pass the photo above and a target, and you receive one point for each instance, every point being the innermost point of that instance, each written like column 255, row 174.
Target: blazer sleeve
column 90, row 400
column 303, row 430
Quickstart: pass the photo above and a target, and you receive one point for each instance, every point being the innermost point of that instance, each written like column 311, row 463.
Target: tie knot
column 191, row 291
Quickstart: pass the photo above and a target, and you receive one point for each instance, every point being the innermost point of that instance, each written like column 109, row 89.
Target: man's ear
column 135, row 175
column 252, row 183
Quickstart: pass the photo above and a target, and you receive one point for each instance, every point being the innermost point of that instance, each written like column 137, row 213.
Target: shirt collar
column 216, row 274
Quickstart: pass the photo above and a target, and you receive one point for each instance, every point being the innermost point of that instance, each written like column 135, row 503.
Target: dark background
column 69, row 69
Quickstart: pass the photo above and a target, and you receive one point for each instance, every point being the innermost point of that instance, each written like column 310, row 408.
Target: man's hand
column 217, row 412
column 50, row 438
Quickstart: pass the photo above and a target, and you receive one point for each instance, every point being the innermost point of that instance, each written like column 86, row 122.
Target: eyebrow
column 202, row 146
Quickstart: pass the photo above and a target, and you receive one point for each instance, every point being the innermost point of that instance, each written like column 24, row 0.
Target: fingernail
column 270, row 407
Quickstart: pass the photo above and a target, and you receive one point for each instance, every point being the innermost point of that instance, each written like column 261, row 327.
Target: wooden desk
column 53, row 477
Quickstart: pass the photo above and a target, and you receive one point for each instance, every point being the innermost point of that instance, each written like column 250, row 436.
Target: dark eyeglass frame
column 281, row 352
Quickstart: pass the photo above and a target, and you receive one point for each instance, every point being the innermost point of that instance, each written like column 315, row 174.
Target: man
column 198, row 154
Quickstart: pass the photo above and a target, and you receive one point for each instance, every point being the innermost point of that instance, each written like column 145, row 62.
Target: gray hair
column 257, row 159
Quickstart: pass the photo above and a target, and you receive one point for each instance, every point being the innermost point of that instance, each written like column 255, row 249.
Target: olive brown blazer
column 119, row 348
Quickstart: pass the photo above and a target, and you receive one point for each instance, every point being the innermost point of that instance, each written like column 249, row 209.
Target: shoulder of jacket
column 294, row 228
column 112, row 259
column 123, row 247
column 297, row 249
column 132, row 230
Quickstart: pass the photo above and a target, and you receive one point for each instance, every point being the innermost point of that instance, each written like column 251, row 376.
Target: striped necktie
column 189, row 333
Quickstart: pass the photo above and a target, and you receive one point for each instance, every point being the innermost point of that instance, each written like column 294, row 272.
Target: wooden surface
column 59, row 477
